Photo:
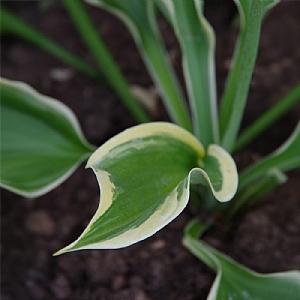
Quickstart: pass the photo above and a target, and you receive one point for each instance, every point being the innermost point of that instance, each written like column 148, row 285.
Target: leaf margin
column 63, row 110
column 107, row 186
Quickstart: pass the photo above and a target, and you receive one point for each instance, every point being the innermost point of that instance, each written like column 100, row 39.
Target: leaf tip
column 66, row 249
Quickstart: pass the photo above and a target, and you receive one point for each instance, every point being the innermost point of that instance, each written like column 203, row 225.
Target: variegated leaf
column 144, row 175
column 236, row 282
column 139, row 17
column 41, row 141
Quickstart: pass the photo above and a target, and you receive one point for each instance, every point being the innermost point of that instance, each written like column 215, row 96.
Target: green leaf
column 235, row 94
column 255, row 190
column 285, row 158
column 110, row 70
column 41, row 141
column 139, row 17
column 144, row 175
column 266, row 174
column 11, row 24
column 268, row 118
column 166, row 8
column 197, row 41
column 236, row 282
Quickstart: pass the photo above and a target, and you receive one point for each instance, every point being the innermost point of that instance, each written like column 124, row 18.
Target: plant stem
column 103, row 57
column 13, row 25
column 268, row 118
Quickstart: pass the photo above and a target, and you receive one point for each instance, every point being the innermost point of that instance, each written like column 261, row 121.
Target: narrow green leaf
column 285, row 158
column 103, row 57
column 268, row 118
column 140, row 19
column 41, row 141
column 235, row 94
column 11, row 24
column 236, row 282
column 144, row 175
column 197, row 41
column 165, row 7
column 255, row 190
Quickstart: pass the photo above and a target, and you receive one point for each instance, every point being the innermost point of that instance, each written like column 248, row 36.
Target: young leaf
column 255, row 190
column 285, row 158
column 11, row 24
column 41, row 141
column 236, row 282
column 139, row 16
column 235, row 94
column 268, row 118
column 103, row 57
column 197, row 41
column 144, row 175
column 166, row 8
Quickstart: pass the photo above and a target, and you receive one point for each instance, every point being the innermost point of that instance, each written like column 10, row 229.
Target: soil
column 265, row 237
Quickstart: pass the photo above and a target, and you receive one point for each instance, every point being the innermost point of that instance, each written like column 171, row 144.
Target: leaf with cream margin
column 197, row 42
column 236, row 282
column 144, row 174
column 140, row 19
column 41, row 141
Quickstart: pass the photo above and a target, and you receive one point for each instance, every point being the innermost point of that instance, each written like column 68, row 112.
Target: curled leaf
column 144, row 175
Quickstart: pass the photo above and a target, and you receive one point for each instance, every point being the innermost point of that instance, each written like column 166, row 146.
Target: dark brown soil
column 266, row 237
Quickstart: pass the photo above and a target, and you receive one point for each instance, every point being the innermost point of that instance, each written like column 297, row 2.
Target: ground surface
column 266, row 237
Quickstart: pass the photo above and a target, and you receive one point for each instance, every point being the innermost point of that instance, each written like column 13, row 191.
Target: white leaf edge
column 61, row 108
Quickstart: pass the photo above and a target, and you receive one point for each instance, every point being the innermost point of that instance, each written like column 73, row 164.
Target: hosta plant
column 146, row 174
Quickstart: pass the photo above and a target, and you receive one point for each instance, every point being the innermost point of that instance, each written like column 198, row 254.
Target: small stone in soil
column 118, row 282
column 60, row 287
column 159, row 244
column 40, row 222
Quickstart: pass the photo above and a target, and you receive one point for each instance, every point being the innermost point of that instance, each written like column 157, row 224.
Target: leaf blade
column 236, row 282
column 285, row 158
column 197, row 42
column 238, row 81
column 42, row 143
column 139, row 17
column 103, row 57
column 144, row 175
